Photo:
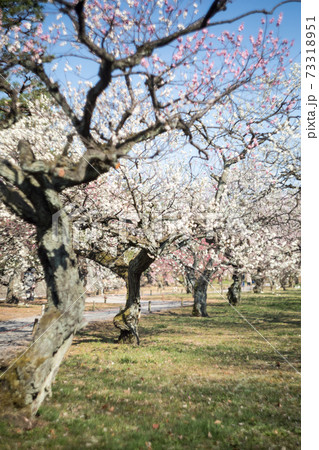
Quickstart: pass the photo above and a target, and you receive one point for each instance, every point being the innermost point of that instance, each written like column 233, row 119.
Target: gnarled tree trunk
column 28, row 381
column 234, row 291
column 129, row 266
column 127, row 320
column 200, row 298
column 200, row 291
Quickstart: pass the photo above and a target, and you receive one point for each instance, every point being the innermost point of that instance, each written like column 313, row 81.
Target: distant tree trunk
column 28, row 381
column 259, row 282
column 190, row 279
column 149, row 277
column 200, row 298
column 188, row 288
column 83, row 271
column 127, row 320
column 292, row 281
column 234, row 291
column 200, row 291
column 283, row 282
column 13, row 294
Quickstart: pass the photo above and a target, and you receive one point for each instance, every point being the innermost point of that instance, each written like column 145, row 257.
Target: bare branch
column 52, row 87
column 79, row 25
column 217, row 5
column 105, row 74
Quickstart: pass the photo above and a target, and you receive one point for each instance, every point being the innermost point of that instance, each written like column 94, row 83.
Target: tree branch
column 17, row 202
column 11, row 173
column 146, row 50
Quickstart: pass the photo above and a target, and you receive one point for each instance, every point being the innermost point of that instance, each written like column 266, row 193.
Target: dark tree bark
column 13, row 295
column 234, row 291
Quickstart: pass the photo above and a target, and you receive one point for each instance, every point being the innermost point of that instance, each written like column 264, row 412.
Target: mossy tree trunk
column 25, row 385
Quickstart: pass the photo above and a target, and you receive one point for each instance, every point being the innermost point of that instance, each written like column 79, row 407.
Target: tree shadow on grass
column 102, row 332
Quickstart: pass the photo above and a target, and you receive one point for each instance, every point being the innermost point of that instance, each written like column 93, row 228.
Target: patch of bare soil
column 11, row 312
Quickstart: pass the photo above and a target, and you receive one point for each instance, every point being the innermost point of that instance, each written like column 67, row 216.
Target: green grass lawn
column 193, row 383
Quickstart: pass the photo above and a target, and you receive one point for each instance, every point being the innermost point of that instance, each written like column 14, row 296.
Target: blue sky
column 289, row 29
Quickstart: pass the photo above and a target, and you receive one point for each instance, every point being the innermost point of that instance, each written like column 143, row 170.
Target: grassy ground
column 193, row 383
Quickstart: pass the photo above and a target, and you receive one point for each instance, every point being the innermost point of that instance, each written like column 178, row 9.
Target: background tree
column 266, row 134
column 18, row 252
column 150, row 211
